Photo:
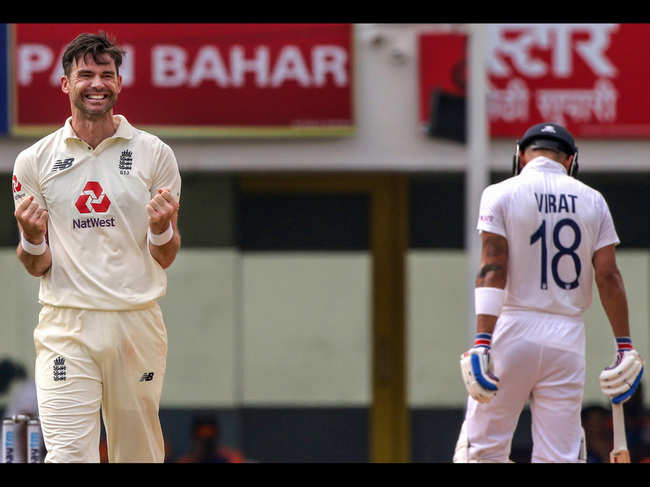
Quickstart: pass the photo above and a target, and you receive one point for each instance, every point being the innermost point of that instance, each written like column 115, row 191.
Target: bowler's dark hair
column 95, row 45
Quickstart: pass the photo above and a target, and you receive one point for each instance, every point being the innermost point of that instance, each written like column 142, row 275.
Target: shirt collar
column 124, row 130
column 544, row 164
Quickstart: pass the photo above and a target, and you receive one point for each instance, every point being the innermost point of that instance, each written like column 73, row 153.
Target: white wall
column 294, row 329
column 306, row 328
column 201, row 312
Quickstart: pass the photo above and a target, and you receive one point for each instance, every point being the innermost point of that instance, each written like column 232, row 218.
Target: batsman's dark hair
column 95, row 45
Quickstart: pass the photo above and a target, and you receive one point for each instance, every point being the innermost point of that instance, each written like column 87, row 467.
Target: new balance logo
column 146, row 377
column 61, row 164
column 59, row 369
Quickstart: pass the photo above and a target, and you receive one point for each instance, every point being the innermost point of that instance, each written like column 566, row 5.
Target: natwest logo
column 92, row 199
column 16, row 185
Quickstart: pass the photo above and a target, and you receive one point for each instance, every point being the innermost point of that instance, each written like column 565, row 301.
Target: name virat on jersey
column 550, row 203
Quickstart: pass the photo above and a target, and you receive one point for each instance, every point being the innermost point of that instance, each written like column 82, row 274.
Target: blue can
column 8, row 441
column 34, row 437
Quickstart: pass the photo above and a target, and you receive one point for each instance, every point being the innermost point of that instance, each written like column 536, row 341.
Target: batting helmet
column 551, row 136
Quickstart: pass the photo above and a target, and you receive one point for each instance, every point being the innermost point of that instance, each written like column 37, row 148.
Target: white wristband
column 488, row 300
column 30, row 248
column 161, row 238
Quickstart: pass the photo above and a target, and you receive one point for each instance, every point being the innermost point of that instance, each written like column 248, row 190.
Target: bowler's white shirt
column 553, row 223
column 97, row 219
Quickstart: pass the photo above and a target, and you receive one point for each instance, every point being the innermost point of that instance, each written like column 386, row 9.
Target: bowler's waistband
column 136, row 307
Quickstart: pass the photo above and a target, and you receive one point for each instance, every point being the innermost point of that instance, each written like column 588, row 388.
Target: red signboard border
column 619, row 129
column 187, row 131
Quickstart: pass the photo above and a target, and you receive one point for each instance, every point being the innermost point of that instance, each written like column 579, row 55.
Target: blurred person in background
column 22, row 401
column 10, row 372
column 97, row 207
column 596, row 421
column 206, row 444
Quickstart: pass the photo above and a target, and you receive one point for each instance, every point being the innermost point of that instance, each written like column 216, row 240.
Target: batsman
column 546, row 236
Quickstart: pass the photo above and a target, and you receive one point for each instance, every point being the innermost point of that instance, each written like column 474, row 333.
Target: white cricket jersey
column 554, row 224
column 97, row 220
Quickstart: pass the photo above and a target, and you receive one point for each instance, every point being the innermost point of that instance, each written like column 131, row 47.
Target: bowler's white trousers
column 88, row 360
column 540, row 358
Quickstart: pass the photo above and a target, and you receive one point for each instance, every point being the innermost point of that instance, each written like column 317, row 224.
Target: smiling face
column 93, row 86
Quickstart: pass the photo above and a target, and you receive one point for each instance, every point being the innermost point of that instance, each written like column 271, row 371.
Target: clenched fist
column 32, row 219
column 161, row 209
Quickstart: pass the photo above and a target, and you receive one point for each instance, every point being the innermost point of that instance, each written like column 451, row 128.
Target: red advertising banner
column 591, row 78
column 199, row 79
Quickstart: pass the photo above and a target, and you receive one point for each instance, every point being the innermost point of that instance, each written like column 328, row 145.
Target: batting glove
column 621, row 379
column 480, row 382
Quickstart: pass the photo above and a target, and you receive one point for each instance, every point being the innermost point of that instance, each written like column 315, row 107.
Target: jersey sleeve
column 607, row 232
column 166, row 173
column 25, row 181
column 491, row 214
